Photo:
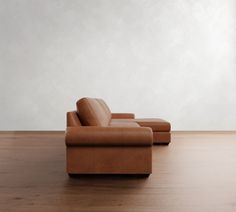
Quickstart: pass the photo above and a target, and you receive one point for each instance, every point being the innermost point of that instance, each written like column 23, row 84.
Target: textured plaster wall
column 174, row 59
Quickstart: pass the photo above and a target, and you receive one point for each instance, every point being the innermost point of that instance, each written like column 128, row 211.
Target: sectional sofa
column 101, row 142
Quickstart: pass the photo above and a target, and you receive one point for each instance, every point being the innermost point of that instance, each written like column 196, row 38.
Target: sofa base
column 109, row 160
column 162, row 138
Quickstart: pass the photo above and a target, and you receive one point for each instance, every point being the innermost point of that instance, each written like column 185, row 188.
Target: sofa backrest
column 93, row 112
column 105, row 107
column 72, row 119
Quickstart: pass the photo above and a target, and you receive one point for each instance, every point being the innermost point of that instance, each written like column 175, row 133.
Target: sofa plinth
column 109, row 160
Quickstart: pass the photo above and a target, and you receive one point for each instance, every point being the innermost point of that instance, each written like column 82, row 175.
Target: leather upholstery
column 115, row 123
column 109, row 136
column 92, row 113
column 157, row 125
column 98, row 141
column 109, row 160
column 72, row 119
column 105, row 107
column 161, row 137
column 95, row 112
column 122, row 116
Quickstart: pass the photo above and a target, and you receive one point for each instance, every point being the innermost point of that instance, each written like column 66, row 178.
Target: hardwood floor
column 196, row 172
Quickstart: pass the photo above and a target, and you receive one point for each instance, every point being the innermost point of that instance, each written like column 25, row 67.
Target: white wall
column 174, row 59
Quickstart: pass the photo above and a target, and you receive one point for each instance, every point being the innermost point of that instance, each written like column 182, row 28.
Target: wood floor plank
column 196, row 172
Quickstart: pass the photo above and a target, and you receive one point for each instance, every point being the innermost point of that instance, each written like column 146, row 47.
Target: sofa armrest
column 122, row 116
column 109, row 136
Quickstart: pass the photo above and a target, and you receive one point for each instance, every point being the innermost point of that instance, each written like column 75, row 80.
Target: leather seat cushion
column 156, row 124
column 118, row 123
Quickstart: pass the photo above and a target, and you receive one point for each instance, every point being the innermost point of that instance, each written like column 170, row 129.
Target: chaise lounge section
column 160, row 128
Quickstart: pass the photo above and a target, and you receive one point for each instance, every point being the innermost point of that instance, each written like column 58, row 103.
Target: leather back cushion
column 93, row 112
column 105, row 107
column 72, row 119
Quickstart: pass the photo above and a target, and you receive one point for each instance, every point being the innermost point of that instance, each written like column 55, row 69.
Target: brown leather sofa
column 101, row 142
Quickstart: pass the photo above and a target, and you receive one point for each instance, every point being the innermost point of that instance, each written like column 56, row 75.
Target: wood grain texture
column 196, row 172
